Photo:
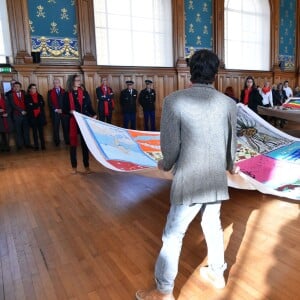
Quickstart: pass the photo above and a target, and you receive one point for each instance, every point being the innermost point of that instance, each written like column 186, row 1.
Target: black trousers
column 64, row 120
column 38, row 132
column 104, row 118
column 85, row 153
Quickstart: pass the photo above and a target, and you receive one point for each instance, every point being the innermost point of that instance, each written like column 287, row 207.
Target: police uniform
column 147, row 101
column 128, row 99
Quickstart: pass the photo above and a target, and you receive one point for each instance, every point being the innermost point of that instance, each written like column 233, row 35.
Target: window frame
column 219, row 42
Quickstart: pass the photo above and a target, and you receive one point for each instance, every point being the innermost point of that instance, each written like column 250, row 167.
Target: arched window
column 5, row 45
column 134, row 32
column 247, row 34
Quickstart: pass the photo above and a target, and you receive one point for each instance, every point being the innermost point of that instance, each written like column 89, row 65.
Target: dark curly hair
column 204, row 65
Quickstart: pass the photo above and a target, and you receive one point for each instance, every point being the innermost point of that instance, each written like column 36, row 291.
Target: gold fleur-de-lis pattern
column 53, row 28
column 198, row 25
column 287, row 35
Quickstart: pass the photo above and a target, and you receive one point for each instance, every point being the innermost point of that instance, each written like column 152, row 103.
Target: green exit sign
column 5, row 69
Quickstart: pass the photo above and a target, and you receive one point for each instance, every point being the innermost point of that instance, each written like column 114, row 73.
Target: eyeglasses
column 77, row 80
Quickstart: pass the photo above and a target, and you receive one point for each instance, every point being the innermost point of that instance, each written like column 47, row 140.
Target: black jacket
column 128, row 101
column 147, row 99
column 86, row 108
column 31, row 106
column 254, row 100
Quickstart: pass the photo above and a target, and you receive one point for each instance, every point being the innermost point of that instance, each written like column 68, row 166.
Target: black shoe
column 43, row 148
column 36, row 148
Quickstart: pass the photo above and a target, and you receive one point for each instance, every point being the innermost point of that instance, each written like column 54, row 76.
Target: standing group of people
column 128, row 103
column 267, row 96
column 19, row 112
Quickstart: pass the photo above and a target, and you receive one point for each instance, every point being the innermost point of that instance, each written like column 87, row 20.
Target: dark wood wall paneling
column 165, row 80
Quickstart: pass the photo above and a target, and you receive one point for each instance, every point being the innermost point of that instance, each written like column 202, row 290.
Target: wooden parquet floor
column 96, row 236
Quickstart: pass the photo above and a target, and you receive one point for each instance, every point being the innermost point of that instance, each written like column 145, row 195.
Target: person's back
column 198, row 141
column 203, row 114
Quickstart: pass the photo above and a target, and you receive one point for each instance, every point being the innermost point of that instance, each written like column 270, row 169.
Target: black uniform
column 128, row 103
column 147, row 101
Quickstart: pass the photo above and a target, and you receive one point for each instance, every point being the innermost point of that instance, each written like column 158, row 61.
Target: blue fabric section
column 198, row 25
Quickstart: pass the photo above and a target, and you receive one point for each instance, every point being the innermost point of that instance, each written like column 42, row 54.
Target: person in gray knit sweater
column 198, row 143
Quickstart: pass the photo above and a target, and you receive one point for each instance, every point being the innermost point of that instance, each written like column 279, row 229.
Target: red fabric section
column 106, row 113
column 2, row 103
column 107, row 90
column 266, row 89
column 54, row 98
column 104, row 92
column 73, row 124
column 19, row 102
column 246, row 98
column 35, row 100
column 3, row 106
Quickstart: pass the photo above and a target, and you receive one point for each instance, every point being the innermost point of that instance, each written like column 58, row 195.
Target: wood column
column 19, row 28
column 179, row 32
column 86, row 29
column 218, row 31
column 179, row 43
column 275, row 21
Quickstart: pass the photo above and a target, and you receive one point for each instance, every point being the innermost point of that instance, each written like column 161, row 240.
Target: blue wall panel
column 287, row 33
column 198, row 25
column 53, row 28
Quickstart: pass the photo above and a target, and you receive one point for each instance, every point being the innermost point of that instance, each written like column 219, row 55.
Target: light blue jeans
column 178, row 220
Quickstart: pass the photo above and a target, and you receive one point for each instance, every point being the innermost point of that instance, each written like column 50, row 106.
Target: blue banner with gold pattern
column 198, row 25
column 287, row 33
column 53, row 28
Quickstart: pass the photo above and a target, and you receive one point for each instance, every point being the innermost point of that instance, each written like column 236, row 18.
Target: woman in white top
column 266, row 93
column 287, row 89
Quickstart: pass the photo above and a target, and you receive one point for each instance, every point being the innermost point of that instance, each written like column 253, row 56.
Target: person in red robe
column 105, row 100
column 55, row 100
column 36, row 115
column 6, row 125
column 16, row 99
